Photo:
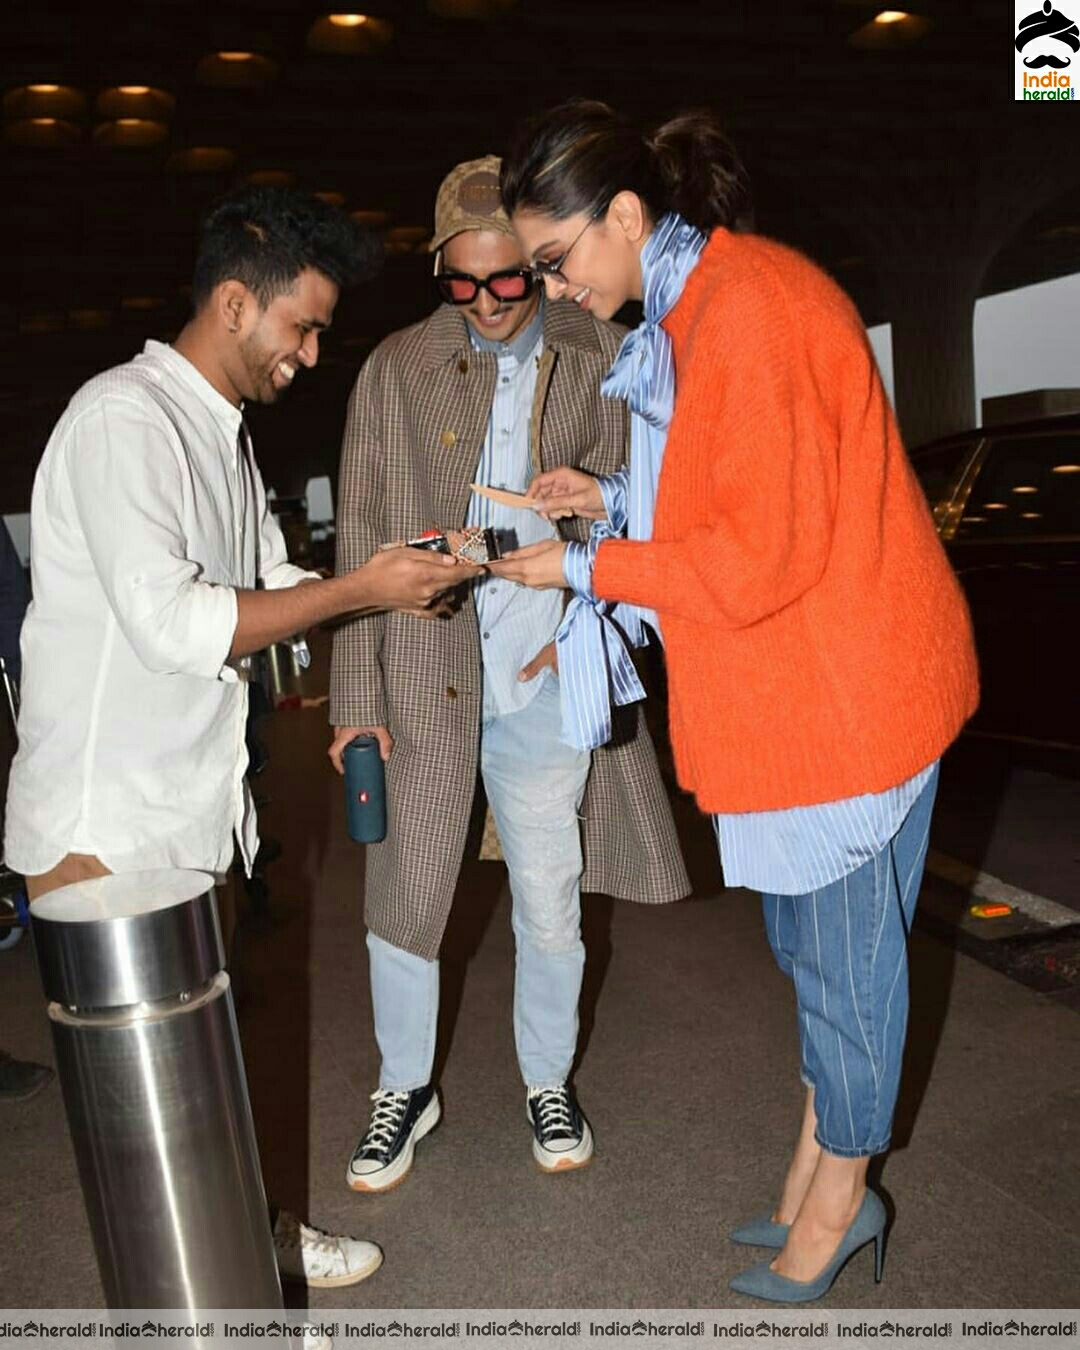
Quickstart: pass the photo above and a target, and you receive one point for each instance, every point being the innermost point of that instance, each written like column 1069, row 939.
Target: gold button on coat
column 463, row 365
column 448, row 438
column 451, row 692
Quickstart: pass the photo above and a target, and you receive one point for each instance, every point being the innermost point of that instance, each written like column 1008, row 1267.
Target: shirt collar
column 670, row 254
column 218, row 405
column 522, row 346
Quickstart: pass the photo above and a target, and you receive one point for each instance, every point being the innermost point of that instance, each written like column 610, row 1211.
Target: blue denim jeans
column 845, row 948
column 534, row 784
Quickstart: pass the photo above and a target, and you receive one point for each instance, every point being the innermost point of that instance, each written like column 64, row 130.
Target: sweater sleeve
column 750, row 408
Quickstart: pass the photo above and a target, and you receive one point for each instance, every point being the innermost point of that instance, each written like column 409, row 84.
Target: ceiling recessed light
column 348, row 34
column 1031, row 515
column 1025, row 489
column 236, row 69
column 1067, row 468
column 135, row 100
column 88, row 319
column 995, row 506
column 407, row 238
column 41, row 133
column 376, row 220
column 202, row 159
column 889, row 30
column 41, row 323
column 131, row 133
column 271, row 178
column 974, row 520
column 31, row 101
column 1060, row 232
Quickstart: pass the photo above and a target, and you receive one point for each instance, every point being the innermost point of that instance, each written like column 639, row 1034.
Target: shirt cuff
column 614, row 490
column 224, row 630
column 577, row 569
column 286, row 574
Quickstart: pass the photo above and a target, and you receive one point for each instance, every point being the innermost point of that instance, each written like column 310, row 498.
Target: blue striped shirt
column 803, row 848
column 515, row 622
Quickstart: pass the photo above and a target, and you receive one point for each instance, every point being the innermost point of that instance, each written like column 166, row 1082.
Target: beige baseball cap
column 469, row 199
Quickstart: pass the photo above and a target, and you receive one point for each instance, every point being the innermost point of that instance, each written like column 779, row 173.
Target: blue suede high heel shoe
column 867, row 1226
column 762, row 1231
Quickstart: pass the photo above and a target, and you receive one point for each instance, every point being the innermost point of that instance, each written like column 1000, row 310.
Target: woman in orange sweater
column 820, row 659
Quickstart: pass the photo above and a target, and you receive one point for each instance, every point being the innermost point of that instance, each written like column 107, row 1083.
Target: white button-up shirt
column 147, row 512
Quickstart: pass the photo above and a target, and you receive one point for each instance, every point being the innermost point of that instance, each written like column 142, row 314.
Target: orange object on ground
column 991, row 910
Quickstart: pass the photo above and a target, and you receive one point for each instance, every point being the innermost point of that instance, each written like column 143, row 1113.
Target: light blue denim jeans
column 845, row 948
column 534, row 784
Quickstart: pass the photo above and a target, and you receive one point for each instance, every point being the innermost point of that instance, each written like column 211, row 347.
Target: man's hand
column 545, row 659
column 401, row 578
column 343, row 735
column 567, row 492
column 538, row 566
column 409, row 579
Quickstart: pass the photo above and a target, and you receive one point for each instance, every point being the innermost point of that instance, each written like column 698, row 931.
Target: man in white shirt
column 150, row 538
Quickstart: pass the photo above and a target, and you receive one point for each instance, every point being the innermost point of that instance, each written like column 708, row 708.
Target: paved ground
column 688, row 1072
column 1011, row 820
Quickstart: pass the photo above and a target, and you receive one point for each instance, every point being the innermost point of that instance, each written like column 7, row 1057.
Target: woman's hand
column 538, row 566
column 567, row 492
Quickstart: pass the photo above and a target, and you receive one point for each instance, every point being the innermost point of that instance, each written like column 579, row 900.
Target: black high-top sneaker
column 385, row 1153
column 561, row 1136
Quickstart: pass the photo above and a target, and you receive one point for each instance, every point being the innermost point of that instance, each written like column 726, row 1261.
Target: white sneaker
column 321, row 1260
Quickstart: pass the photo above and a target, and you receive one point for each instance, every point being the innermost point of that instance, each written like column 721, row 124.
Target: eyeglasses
column 461, row 288
column 554, row 268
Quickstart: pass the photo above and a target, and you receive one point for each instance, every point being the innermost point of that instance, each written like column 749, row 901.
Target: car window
column 937, row 467
column 1028, row 486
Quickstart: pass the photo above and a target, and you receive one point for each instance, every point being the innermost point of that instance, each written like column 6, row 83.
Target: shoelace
column 553, row 1112
column 385, row 1121
column 317, row 1239
column 305, row 1235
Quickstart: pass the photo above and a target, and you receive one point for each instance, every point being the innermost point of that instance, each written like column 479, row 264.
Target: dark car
column 1007, row 505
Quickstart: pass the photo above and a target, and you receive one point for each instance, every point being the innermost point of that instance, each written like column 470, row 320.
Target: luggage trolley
column 14, row 907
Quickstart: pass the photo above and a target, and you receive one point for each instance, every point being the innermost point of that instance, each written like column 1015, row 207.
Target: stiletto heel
column 868, row 1225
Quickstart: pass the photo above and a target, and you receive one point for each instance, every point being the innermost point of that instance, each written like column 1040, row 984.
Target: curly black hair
column 266, row 236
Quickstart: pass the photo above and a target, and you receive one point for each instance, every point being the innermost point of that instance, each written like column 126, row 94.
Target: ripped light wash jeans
column 534, row 784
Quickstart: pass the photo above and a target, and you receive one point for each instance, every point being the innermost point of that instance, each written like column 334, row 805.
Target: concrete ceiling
column 831, row 131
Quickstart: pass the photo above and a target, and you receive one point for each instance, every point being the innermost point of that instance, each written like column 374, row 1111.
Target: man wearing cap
column 495, row 386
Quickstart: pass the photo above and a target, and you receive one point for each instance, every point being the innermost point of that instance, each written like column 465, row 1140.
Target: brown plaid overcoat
column 415, row 428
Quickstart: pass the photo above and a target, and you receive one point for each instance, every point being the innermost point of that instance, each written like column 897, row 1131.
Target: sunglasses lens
column 458, row 290
column 510, row 286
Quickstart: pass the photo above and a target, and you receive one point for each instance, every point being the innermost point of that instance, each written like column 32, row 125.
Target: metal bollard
column 148, row 1056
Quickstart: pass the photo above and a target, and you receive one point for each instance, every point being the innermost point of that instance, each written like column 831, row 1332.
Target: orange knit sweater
column 818, row 644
